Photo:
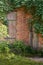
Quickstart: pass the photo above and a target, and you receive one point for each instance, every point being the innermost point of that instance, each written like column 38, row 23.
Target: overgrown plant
column 19, row 48
column 4, row 47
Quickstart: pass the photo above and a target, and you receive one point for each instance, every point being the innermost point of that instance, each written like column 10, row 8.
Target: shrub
column 3, row 31
column 4, row 47
column 17, row 47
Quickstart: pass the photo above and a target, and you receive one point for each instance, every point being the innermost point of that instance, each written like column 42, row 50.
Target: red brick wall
column 21, row 28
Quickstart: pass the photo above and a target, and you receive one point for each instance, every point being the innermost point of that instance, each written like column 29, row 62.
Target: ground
column 37, row 59
column 18, row 60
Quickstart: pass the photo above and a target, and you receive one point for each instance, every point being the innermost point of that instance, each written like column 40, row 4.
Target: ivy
column 4, row 8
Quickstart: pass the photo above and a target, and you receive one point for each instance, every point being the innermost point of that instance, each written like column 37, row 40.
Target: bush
column 17, row 47
column 4, row 47
column 3, row 31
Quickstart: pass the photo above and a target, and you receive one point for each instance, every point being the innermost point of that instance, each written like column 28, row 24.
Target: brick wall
column 19, row 27
column 20, row 30
column 22, row 26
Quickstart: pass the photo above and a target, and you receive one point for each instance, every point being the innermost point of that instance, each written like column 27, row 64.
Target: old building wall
column 22, row 26
column 19, row 27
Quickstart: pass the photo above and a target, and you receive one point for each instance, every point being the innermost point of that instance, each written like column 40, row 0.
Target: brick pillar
column 22, row 26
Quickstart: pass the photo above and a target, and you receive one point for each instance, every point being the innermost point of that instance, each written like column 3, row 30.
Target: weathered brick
column 20, row 26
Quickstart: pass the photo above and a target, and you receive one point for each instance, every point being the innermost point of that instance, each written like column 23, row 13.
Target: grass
column 16, row 60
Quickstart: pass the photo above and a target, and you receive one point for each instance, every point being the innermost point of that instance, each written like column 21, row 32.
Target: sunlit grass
column 12, row 59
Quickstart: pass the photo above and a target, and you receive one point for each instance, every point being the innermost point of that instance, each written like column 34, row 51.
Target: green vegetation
column 19, row 48
column 17, row 60
column 15, row 54
column 3, row 30
column 4, row 8
column 4, row 47
column 8, row 51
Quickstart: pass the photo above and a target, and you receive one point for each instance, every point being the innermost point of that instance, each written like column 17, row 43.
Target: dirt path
column 37, row 59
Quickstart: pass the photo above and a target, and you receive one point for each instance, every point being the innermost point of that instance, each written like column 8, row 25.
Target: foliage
column 4, row 47
column 35, row 5
column 19, row 48
column 3, row 31
column 4, row 8
column 1, row 10
column 18, row 60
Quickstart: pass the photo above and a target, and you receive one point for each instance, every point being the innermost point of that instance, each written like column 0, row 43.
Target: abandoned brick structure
column 19, row 28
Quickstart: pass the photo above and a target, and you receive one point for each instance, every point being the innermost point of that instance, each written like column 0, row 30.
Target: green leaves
column 4, row 7
column 3, row 30
column 1, row 8
column 37, row 27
